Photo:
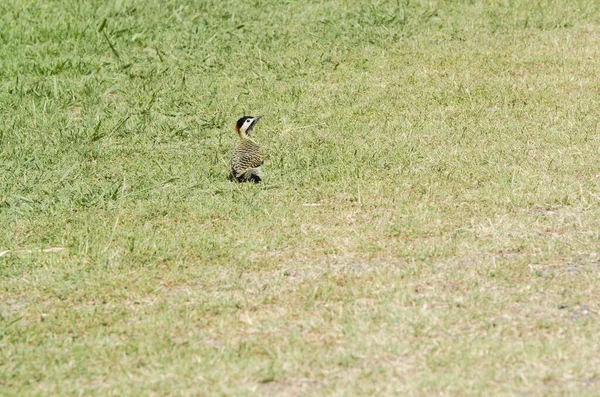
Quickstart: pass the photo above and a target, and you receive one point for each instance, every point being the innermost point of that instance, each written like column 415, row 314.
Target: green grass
column 428, row 223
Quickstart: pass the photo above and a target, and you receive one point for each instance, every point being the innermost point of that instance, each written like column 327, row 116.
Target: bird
column 247, row 155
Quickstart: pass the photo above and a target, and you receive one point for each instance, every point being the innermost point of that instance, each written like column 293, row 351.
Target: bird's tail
column 252, row 175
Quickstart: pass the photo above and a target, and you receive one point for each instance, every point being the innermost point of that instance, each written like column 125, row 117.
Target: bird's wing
column 246, row 156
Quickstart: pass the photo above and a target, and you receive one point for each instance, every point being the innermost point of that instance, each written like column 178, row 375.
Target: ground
column 428, row 222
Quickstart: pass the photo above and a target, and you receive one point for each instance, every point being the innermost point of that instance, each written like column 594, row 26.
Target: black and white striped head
column 246, row 124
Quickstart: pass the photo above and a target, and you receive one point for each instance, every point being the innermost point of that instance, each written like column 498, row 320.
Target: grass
column 428, row 223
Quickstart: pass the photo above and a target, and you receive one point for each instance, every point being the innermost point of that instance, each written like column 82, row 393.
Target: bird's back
column 247, row 155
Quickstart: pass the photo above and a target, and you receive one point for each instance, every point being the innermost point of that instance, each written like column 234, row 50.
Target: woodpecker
column 247, row 154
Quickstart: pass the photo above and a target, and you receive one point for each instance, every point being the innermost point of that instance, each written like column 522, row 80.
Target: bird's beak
column 249, row 130
column 255, row 120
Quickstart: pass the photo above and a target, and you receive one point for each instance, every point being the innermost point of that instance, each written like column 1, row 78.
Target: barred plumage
column 247, row 154
column 246, row 161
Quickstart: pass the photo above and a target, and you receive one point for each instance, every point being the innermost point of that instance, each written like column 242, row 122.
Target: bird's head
column 245, row 125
